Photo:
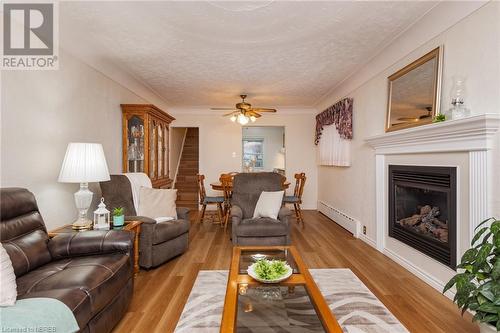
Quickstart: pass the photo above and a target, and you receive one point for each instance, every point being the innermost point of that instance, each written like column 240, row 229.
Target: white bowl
column 252, row 273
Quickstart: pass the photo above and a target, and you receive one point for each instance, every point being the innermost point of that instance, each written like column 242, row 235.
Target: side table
column 133, row 226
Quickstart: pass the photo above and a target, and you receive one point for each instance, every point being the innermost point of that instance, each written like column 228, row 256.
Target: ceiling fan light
column 242, row 119
column 253, row 119
column 233, row 118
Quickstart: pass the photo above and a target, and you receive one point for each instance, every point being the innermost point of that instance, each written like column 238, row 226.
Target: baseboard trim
column 368, row 240
column 420, row 273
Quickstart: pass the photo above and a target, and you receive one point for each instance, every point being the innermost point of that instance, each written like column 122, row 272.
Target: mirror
column 414, row 93
column 263, row 149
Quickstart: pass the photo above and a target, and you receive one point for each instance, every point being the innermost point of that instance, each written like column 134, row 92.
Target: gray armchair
column 246, row 230
column 158, row 242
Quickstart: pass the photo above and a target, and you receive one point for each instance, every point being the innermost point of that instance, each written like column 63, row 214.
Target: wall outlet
column 364, row 230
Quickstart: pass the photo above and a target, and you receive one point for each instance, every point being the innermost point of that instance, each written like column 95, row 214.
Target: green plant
column 270, row 269
column 118, row 211
column 478, row 285
column 439, row 118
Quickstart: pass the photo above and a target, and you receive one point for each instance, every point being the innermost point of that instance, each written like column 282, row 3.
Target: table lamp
column 83, row 163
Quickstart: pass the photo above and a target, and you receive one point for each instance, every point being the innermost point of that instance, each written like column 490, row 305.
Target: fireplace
column 422, row 209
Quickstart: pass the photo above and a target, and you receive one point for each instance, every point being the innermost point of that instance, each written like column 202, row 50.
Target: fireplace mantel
column 473, row 136
column 469, row 134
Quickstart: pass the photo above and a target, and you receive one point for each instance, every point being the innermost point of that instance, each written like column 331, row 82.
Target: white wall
column 220, row 144
column 272, row 137
column 42, row 111
column 470, row 38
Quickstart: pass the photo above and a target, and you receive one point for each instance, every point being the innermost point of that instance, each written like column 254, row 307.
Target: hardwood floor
column 160, row 294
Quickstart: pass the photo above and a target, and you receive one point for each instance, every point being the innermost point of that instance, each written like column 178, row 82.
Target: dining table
column 217, row 186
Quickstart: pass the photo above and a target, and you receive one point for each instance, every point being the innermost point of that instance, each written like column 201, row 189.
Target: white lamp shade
column 84, row 163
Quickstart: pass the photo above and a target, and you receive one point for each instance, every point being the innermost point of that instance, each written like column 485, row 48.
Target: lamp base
column 82, row 224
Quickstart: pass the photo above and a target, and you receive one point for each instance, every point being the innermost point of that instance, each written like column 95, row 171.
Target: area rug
column 355, row 307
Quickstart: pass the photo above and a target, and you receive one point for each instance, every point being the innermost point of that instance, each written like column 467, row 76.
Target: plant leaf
column 469, row 255
column 450, row 284
column 478, row 235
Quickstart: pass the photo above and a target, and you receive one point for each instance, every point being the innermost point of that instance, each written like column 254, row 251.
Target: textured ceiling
column 284, row 54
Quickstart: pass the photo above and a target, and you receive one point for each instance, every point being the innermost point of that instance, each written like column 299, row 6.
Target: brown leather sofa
column 246, row 230
column 159, row 242
column 91, row 272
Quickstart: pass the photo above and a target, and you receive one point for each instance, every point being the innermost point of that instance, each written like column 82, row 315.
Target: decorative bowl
column 285, row 276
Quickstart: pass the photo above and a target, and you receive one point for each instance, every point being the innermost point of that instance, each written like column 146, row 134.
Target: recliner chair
column 158, row 242
column 246, row 230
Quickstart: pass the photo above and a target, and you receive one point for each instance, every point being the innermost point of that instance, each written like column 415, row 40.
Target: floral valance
column 339, row 114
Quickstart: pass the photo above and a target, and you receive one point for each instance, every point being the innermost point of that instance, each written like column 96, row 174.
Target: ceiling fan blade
column 222, row 109
column 263, row 110
column 253, row 113
column 230, row 113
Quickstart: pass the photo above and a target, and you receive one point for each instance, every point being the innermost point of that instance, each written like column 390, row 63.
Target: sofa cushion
column 259, row 227
column 99, row 276
column 22, row 230
column 77, row 300
column 166, row 231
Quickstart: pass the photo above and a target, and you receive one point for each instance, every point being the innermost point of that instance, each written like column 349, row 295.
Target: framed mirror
column 414, row 92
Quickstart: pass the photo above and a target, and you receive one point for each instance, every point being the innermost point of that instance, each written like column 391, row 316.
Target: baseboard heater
column 342, row 219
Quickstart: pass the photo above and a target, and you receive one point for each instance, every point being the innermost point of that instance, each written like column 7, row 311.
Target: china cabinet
column 145, row 142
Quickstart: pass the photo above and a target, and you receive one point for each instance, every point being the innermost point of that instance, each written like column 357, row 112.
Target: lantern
column 101, row 217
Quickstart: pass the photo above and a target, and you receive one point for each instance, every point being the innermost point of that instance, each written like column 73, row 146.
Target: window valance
column 339, row 114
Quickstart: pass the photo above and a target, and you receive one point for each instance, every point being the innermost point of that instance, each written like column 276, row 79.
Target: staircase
column 187, row 181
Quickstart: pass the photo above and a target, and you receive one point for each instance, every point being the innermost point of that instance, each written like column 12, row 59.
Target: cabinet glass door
column 152, row 150
column 165, row 151
column 135, row 144
column 160, row 150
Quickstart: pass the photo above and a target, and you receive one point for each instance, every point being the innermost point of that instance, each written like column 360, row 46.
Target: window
column 253, row 153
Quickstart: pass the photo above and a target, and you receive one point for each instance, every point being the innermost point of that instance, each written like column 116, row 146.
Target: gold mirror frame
column 437, row 54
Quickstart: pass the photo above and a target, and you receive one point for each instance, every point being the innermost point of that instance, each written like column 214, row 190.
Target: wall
column 220, row 144
column 273, row 143
column 470, row 37
column 42, row 111
column 176, row 142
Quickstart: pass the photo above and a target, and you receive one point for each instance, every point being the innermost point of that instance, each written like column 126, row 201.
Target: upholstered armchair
column 158, row 242
column 246, row 230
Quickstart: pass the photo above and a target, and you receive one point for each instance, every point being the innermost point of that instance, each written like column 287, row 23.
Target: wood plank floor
column 160, row 294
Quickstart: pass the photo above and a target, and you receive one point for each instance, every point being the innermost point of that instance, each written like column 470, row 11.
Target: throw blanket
column 138, row 180
column 38, row 315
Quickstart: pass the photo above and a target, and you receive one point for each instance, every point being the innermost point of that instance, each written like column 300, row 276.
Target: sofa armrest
column 143, row 219
column 284, row 213
column 236, row 213
column 91, row 242
column 182, row 213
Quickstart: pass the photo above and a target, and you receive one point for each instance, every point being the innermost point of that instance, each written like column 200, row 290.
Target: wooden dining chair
column 226, row 180
column 296, row 198
column 209, row 200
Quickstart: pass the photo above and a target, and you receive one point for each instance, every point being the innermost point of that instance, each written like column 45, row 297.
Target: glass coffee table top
column 276, row 308
column 248, row 257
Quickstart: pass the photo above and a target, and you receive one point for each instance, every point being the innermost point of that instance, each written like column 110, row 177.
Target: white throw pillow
column 269, row 204
column 157, row 203
column 8, row 286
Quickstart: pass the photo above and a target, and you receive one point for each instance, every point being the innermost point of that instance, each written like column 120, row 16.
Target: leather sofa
column 246, row 230
column 158, row 242
column 91, row 272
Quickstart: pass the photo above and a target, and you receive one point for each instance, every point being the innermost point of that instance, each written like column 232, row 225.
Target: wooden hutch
column 145, row 133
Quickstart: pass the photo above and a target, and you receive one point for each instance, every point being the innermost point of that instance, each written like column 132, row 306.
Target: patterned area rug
column 354, row 306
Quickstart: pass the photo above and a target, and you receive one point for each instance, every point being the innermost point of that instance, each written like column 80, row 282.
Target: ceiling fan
column 244, row 112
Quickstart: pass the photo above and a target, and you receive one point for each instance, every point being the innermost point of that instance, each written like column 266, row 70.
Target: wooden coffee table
column 133, row 226
column 249, row 304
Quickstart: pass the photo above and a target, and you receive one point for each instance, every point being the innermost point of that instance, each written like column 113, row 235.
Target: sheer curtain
column 333, row 150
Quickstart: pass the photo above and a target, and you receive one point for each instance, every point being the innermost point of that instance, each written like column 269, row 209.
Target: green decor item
column 478, row 283
column 118, row 217
column 440, row 117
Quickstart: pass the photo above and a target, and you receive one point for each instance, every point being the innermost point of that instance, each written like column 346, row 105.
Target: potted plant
column 478, row 283
column 118, row 217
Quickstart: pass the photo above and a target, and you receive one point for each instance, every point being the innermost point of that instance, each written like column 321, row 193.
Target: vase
column 118, row 221
column 487, row 328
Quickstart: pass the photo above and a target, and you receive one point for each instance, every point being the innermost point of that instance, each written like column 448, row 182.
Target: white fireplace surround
column 473, row 135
